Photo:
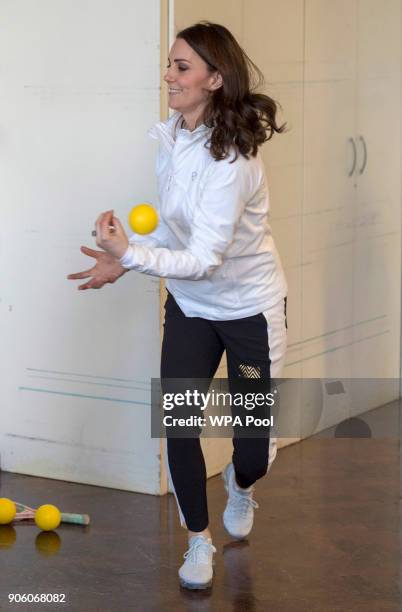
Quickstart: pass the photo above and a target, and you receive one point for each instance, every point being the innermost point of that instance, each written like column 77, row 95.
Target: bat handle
column 77, row 519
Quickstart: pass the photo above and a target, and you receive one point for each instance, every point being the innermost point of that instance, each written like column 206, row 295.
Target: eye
column 181, row 68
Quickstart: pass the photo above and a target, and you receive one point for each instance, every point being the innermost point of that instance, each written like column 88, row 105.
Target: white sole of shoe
column 234, row 536
column 194, row 586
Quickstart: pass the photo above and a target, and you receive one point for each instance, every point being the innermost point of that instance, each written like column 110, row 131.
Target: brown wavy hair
column 240, row 117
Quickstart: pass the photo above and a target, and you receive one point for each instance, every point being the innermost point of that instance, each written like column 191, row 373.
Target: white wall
column 80, row 85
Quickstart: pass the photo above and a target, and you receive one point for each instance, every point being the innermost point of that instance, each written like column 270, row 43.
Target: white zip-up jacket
column 213, row 243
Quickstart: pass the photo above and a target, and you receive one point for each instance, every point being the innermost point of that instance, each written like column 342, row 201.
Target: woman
column 226, row 287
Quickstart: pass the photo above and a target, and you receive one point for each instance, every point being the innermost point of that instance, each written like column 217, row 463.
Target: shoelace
column 197, row 553
column 243, row 503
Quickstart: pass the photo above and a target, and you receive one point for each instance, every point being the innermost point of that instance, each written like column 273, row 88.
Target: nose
column 166, row 77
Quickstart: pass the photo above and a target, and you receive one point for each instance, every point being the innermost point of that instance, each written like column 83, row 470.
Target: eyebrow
column 180, row 60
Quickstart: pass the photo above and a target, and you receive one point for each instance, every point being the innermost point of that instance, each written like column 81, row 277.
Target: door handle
column 354, row 156
column 361, row 170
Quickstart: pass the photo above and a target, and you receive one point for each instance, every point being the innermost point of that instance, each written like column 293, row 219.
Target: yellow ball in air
column 143, row 219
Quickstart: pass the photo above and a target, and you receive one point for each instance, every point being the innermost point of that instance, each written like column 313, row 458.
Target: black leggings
column 192, row 348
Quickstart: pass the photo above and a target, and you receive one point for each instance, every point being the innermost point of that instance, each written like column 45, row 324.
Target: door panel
column 377, row 254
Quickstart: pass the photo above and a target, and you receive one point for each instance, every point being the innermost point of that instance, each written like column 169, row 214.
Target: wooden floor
column 326, row 538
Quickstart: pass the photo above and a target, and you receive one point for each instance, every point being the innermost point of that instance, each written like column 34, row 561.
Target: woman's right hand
column 107, row 269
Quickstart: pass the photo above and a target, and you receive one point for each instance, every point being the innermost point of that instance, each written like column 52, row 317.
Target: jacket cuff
column 128, row 259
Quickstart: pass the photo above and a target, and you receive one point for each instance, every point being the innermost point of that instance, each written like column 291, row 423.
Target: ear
column 217, row 81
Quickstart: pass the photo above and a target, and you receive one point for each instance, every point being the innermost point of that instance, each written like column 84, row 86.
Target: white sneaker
column 238, row 516
column 196, row 572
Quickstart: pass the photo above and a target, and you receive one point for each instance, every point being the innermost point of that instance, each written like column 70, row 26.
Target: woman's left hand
column 113, row 241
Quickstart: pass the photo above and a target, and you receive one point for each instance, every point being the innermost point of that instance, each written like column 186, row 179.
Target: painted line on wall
column 82, row 395
column 86, row 382
column 113, row 451
column 138, row 382
column 337, row 348
column 336, row 331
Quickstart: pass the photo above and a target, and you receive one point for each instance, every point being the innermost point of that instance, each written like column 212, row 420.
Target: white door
column 329, row 195
column 377, row 255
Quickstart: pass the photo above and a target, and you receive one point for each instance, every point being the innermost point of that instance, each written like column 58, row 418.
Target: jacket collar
column 169, row 131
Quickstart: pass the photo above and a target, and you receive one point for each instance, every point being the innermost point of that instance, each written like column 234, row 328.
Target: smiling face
column 188, row 73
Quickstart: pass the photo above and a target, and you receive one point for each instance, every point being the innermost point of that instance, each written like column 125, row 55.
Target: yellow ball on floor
column 8, row 510
column 143, row 219
column 47, row 517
